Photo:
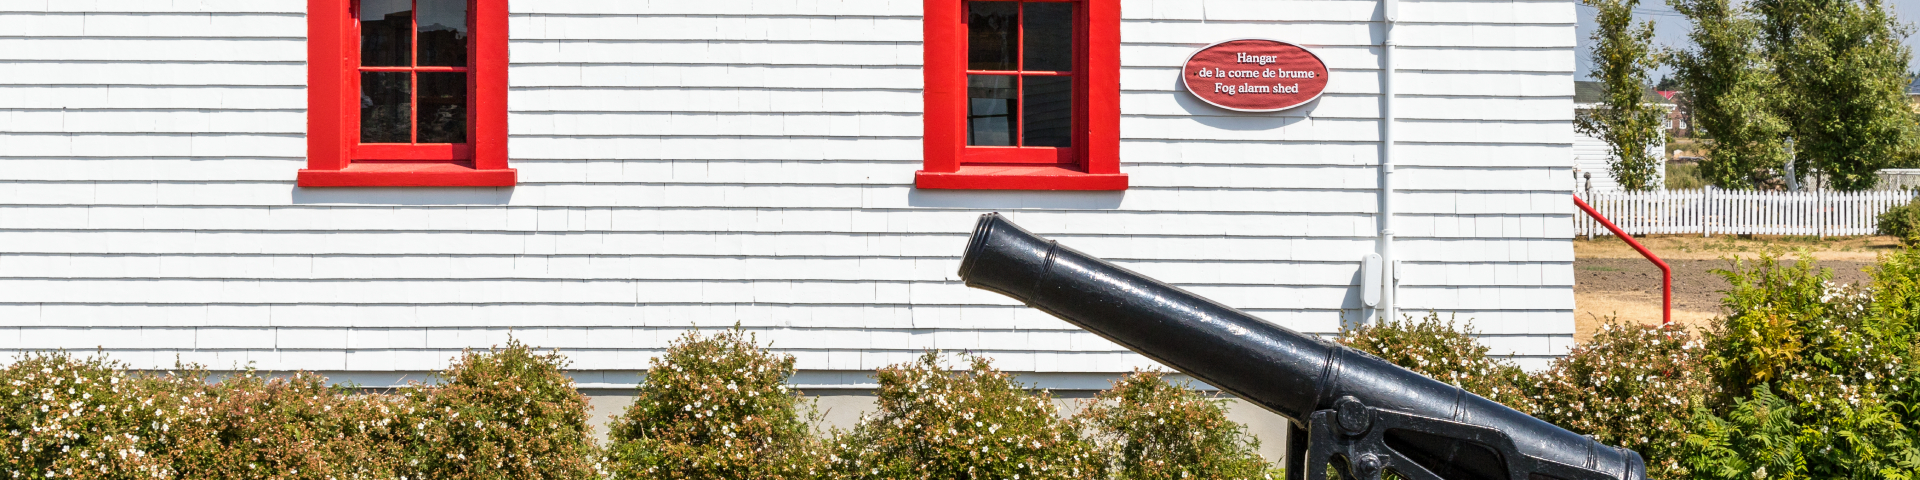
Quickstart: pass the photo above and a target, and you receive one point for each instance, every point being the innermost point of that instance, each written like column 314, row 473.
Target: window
column 1022, row 95
column 406, row 93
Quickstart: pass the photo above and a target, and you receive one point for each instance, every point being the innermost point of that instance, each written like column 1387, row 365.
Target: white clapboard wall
column 1709, row 212
column 702, row 163
column 1593, row 160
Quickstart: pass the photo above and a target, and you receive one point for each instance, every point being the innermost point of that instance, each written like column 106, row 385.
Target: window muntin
column 413, row 71
column 1020, row 60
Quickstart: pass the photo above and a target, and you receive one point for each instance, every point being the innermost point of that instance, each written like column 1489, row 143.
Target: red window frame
column 1093, row 161
column 335, row 156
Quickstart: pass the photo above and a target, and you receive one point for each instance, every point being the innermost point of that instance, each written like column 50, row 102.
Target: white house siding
column 1593, row 155
column 706, row 162
column 1590, row 156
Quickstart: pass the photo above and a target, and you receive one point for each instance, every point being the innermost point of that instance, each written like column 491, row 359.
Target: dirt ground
column 1611, row 279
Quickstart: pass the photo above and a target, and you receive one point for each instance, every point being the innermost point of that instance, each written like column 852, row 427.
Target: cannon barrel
column 1292, row 374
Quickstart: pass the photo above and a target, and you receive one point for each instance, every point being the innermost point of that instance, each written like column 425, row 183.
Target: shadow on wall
column 1353, row 302
column 1015, row 199
column 401, row 196
column 1224, row 119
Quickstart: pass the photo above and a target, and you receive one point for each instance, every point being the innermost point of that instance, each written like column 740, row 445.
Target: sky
column 1670, row 29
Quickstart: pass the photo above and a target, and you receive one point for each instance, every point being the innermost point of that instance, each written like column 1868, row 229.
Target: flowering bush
column 934, row 423
column 1157, row 430
column 251, row 425
column 89, row 418
column 715, row 408
column 1819, row 375
column 1437, row 349
column 509, row 413
column 72, row 418
column 1632, row 386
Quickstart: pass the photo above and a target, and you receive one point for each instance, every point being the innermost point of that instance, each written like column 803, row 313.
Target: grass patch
column 1684, row 176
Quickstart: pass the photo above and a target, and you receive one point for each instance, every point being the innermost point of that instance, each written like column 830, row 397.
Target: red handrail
column 1666, row 272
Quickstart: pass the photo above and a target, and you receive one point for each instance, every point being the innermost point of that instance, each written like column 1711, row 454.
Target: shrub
column 1435, row 348
column 1157, row 430
column 935, row 423
column 1764, row 435
column 715, row 408
column 1831, row 362
column 505, row 414
column 1790, row 325
column 509, row 413
column 1684, row 176
column 1759, row 434
column 1896, row 304
column 74, row 418
column 89, row 418
column 249, row 425
column 1902, row 222
column 1632, row 386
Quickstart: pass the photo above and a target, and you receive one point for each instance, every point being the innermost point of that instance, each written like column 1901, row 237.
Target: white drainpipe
column 1390, row 279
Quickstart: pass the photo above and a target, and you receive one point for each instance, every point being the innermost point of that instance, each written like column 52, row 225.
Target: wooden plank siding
column 704, row 162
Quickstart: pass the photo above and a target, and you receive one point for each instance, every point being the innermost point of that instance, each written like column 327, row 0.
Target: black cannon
column 1352, row 411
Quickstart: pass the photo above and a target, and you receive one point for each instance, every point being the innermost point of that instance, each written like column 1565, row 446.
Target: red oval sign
column 1255, row 75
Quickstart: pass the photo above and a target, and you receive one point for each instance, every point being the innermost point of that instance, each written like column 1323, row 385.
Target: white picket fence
column 1728, row 212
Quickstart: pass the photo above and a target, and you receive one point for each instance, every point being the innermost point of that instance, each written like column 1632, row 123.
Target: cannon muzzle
column 1353, row 411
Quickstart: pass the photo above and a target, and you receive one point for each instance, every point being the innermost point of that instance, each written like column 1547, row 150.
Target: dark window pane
column 1049, row 113
column 993, row 35
column 1049, row 36
column 443, row 33
column 992, row 104
column 443, row 107
column 386, row 33
column 384, row 107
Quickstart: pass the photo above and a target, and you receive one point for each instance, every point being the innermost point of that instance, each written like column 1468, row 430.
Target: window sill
column 434, row 174
column 1019, row 177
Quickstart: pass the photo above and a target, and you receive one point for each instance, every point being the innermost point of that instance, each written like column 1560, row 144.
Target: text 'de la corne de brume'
column 1265, row 73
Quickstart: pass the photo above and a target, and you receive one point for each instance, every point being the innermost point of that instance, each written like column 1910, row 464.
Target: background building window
column 415, row 98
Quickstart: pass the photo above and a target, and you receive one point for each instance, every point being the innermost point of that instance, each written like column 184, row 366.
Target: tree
column 1622, row 56
column 1732, row 90
column 1843, row 75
